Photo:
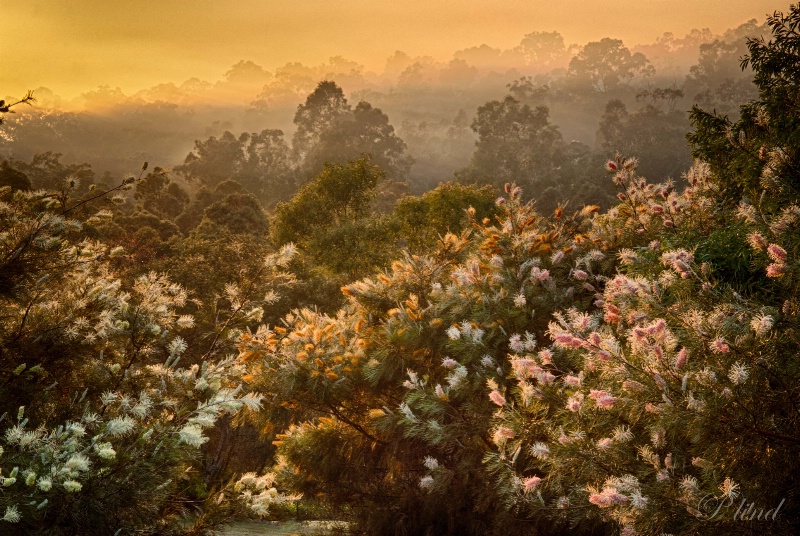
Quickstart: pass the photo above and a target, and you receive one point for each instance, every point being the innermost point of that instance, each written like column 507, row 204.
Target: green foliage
column 423, row 220
column 13, row 178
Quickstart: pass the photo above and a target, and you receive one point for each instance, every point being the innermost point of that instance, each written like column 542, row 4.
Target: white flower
column 45, row 483
column 519, row 300
column 72, row 486
column 120, row 426
column 540, row 450
column 192, row 434
column 426, row 482
column 454, row 333
column 12, row 514
column 761, row 324
column 738, row 373
column 430, row 462
column 185, row 321
column 77, row 462
column 105, row 451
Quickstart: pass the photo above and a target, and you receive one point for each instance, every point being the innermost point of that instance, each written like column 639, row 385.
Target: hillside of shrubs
column 467, row 361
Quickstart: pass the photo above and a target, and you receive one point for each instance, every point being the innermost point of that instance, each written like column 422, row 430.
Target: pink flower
column 720, row 346
column 502, row 434
column 757, row 241
column 603, row 399
column 497, row 398
column 571, row 381
column 776, row 269
column 545, row 356
column 611, row 166
column 776, row 253
column 579, row 275
column 530, row 483
column 683, row 355
column 657, row 209
column 574, row 402
column 604, row 443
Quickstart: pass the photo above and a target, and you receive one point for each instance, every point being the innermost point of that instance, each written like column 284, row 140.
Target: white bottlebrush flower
column 192, row 434
column 45, row 483
column 77, row 462
column 12, row 514
column 761, row 324
column 120, row 426
column 738, row 373
column 426, row 482
column 540, row 450
column 430, row 462
column 72, row 486
column 520, row 300
column 454, row 333
column 105, row 451
column 185, row 321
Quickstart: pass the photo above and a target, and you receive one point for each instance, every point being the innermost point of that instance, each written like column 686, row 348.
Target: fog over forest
column 592, row 93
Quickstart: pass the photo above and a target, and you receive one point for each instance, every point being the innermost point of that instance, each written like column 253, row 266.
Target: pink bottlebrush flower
column 594, row 338
column 659, row 380
column 611, row 318
column 600, row 499
column 776, row 269
column 632, row 386
column 776, row 253
column 756, row 241
column 563, row 339
column 571, row 381
column 683, row 355
column 497, row 398
column 611, row 166
column 507, row 187
column 605, row 443
column 652, row 408
column 657, row 327
column 545, row 356
column 659, row 352
column 544, row 377
column 657, row 209
column 720, row 346
column 530, row 483
column 503, row 433
column 639, row 333
column 579, row 275
column 557, row 257
column 574, row 403
column 603, row 399
column 662, row 476
column 669, row 223
column 655, row 245
column 500, row 201
column 604, row 355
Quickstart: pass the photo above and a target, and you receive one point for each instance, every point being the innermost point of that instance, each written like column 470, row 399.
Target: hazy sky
column 71, row 46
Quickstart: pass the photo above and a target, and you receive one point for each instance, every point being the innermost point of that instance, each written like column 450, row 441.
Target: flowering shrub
column 107, row 424
column 631, row 372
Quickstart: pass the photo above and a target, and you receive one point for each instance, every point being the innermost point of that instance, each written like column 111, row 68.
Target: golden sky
column 72, row 46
